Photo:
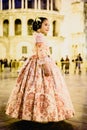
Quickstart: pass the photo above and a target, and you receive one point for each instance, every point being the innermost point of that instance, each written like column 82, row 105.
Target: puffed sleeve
column 42, row 48
column 39, row 38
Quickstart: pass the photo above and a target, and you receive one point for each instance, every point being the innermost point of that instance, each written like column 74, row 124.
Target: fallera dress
column 36, row 96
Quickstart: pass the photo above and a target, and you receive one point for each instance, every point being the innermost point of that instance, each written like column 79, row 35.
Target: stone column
column 11, row 26
column 22, row 4
column 35, row 4
column 1, row 5
column 26, row 4
column 39, row 4
column 9, row 4
column 47, row 4
column 24, row 26
column 13, row 4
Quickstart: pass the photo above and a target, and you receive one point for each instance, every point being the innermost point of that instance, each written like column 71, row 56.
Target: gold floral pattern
column 38, row 97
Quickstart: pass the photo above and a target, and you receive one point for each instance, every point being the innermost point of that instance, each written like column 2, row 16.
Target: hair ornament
column 38, row 19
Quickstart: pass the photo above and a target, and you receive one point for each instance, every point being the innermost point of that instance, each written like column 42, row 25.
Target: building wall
column 65, row 37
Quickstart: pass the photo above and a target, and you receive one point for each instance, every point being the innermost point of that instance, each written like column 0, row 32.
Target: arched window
column 29, row 23
column 17, row 27
column 30, row 3
column 54, row 28
column 18, row 3
column 24, row 49
column 5, row 28
column 5, row 4
column 43, row 4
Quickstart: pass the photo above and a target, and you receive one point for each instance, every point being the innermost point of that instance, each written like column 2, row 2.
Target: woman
column 40, row 93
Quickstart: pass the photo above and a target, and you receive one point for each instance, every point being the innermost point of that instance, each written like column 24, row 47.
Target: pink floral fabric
column 38, row 97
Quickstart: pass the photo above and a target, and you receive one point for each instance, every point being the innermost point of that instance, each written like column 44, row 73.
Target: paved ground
column 77, row 85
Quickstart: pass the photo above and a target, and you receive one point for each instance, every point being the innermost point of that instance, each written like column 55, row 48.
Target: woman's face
column 45, row 27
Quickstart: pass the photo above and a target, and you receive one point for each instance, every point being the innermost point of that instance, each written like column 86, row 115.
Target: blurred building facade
column 66, row 35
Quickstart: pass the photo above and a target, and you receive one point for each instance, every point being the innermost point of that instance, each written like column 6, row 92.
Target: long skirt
column 37, row 97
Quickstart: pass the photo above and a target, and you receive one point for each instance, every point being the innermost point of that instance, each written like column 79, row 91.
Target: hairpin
column 38, row 19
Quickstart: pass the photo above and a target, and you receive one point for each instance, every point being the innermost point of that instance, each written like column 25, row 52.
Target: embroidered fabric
column 42, row 49
column 38, row 97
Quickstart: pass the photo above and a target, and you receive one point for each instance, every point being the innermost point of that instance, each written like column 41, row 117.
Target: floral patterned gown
column 36, row 96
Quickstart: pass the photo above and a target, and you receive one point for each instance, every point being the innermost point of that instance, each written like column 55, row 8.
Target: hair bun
column 38, row 22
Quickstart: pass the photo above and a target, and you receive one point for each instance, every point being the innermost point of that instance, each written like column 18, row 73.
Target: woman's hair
column 38, row 22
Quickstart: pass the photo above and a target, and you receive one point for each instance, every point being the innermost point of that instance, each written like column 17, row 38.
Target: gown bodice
column 41, row 46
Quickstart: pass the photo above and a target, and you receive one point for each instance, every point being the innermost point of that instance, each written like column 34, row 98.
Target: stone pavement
column 77, row 85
